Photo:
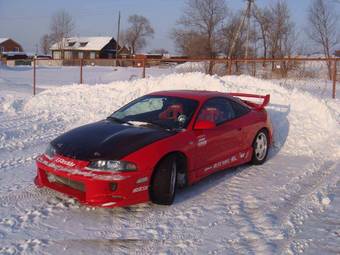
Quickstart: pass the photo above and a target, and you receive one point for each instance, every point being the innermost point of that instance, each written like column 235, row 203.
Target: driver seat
column 172, row 112
column 211, row 114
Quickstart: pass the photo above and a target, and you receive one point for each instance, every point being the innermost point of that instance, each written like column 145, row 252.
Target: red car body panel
column 207, row 151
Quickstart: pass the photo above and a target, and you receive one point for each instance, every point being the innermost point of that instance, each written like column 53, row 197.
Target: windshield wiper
column 119, row 120
column 149, row 123
column 139, row 123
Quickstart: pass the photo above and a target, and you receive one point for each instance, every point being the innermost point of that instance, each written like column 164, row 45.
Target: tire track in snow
column 17, row 161
column 262, row 222
column 31, row 141
column 32, row 135
column 309, row 202
column 31, row 217
column 27, row 193
column 244, row 213
column 18, row 121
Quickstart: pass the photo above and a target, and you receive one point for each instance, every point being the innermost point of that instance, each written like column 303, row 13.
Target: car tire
column 260, row 147
column 164, row 179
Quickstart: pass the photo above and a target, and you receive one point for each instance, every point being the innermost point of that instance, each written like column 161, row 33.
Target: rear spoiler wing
column 256, row 106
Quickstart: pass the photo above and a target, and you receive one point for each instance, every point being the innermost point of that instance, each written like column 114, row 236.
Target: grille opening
column 65, row 181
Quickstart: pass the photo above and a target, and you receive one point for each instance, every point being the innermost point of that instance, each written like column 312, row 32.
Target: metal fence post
column 81, row 71
column 143, row 75
column 334, row 79
column 229, row 66
column 34, row 76
column 254, row 68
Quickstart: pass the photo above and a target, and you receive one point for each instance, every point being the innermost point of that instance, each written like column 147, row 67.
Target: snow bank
column 301, row 121
column 202, row 67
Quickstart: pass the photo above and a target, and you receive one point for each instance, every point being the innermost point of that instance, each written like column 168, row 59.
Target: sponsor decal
column 65, row 162
column 202, row 141
column 141, row 180
column 230, row 160
column 109, row 204
column 233, row 159
column 140, row 189
column 244, row 155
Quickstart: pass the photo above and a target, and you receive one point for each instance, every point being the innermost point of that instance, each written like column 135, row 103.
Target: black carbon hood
column 106, row 140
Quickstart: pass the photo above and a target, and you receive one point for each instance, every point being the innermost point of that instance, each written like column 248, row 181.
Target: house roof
column 3, row 40
column 82, row 43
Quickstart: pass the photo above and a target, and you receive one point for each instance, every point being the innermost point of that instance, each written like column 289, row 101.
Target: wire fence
column 284, row 68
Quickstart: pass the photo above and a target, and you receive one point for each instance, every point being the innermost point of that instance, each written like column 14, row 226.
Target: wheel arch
column 182, row 160
column 266, row 129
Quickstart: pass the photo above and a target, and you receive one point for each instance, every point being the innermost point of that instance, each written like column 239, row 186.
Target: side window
column 217, row 110
column 239, row 109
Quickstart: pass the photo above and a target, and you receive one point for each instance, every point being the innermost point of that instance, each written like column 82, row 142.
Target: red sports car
column 155, row 144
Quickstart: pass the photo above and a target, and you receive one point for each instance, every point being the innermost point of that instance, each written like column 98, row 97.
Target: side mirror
column 204, row 124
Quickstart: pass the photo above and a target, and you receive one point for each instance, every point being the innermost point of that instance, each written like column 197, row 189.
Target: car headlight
column 50, row 151
column 111, row 165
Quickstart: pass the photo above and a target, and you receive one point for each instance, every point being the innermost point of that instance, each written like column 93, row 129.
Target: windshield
column 163, row 111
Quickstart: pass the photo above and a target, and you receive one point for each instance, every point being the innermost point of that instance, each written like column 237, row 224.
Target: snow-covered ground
column 290, row 205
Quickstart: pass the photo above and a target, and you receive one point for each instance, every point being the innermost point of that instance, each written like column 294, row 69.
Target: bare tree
column 281, row 34
column 262, row 16
column 198, row 30
column 281, row 30
column 62, row 26
column 323, row 28
column 238, row 43
column 136, row 35
column 228, row 31
column 45, row 43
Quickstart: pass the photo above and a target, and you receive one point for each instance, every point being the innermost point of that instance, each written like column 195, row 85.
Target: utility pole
column 248, row 27
column 246, row 15
column 118, row 34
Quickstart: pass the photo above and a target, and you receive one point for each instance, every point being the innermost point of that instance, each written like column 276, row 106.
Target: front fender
column 147, row 157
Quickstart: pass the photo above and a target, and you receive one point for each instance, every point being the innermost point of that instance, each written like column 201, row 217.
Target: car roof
column 199, row 95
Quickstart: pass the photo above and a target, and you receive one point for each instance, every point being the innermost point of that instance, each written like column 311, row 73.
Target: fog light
column 51, row 177
column 113, row 186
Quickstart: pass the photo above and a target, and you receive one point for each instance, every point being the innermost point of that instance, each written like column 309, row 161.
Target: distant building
column 9, row 45
column 337, row 53
column 86, row 48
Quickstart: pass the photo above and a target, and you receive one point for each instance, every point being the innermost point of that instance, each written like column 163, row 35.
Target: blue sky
column 26, row 21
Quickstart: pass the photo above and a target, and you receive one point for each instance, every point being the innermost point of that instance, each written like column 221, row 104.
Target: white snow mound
column 301, row 121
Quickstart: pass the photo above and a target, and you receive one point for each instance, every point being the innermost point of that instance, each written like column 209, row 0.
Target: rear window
column 239, row 109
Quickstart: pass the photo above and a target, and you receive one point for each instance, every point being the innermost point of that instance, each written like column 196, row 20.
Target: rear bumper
column 93, row 189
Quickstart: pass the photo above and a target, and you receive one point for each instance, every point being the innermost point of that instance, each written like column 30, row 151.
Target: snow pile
column 305, row 118
column 191, row 67
column 202, row 67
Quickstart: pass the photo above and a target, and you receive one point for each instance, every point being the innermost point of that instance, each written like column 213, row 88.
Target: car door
column 216, row 147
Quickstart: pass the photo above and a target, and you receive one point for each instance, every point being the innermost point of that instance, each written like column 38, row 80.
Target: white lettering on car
column 139, row 189
column 65, row 162
column 202, row 141
column 232, row 159
column 141, row 180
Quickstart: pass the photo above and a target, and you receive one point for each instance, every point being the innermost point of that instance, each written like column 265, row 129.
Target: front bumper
column 93, row 189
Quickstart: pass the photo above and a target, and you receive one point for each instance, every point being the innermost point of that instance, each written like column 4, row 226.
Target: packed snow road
column 289, row 205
